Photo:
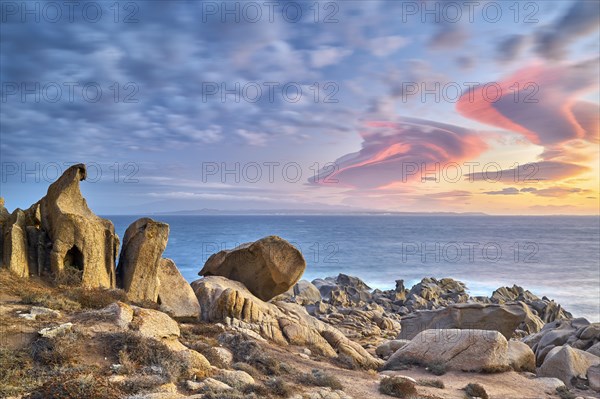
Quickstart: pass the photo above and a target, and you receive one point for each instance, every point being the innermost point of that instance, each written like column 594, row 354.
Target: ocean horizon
column 552, row 256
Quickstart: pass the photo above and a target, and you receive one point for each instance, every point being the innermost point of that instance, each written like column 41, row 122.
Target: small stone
column 51, row 332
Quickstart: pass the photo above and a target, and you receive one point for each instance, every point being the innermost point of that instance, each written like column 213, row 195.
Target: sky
column 335, row 106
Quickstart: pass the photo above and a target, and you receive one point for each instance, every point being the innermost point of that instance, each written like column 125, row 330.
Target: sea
column 553, row 256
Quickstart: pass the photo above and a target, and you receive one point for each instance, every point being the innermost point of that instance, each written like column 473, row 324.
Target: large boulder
column 506, row 319
column 267, row 267
column 567, row 364
column 520, row 356
column 143, row 245
column 175, row 295
column 230, row 302
column 593, row 376
column 466, row 350
column 77, row 237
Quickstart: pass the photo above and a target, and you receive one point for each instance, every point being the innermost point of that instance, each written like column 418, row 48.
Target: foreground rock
column 465, row 350
column 506, row 319
column 144, row 242
column 568, row 364
column 303, row 293
column 267, row 267
column 175, row 296
column 230, row 302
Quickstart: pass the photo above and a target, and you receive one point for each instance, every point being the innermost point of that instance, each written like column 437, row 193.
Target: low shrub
column 564, row 393
column 398, row 387
column 437, row 368
column 253, row 371
column 432, row 383
column 58, row 351
column 150, row 355
column 476, row 391
column 279, row 387
column 249, row 351
column 320, row 378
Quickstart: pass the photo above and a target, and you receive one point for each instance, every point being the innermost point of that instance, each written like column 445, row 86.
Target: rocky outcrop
column 175, row 295
column 230, row 302
column 15, row 252
column 60, row 234
column 567, row 364
column 267, row 267
column 79, row 238
column 593, row 376
column 506, row 319
column 578, row 333
column 546, row 309
column 302, row 293
column 143, row 245
column 343, row 290
column 465, row 350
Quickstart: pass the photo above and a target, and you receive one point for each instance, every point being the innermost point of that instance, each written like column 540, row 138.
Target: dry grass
column 249, row 351
column 146, row 355
column 75, row 387
column 16, row 375
column 564, row 393
column 96, row 298
column 50, row 300
column 62, row 350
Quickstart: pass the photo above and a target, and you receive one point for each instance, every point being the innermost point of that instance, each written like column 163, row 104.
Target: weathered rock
column 559, row 333
column 230, row 302
column 466, row 350
column 567, row 364
column 52, row 332
column 593, row 376
column 15, row 252
column 594, row 349
column 154, row 324
column 544, row 308
column 388, row 348
column 505, row 318
column 79, row 239
column 235, row 378
column 120, row 313
column 175, row 295
column 143, row 245
column 267, row 267
column 520, row 356
column 224, row 354
column 302, row 293
column 210, row 384
column 343, row 290
column 37, row 311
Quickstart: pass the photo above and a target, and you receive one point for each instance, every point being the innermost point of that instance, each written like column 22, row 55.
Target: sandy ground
column 361, row 385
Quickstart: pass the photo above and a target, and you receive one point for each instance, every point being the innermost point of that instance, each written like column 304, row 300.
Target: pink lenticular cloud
column 391, row 149
column 539, row 102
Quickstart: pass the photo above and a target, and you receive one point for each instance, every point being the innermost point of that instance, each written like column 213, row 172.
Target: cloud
column 545, row 107
column 325, row 56
column 449, row 36
column 391, row 150
column 253, row 138
column 533, row 172
column 504, row 191
column 386, row 45
column 511, row 47
column 556, row 191
column 581, row 19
